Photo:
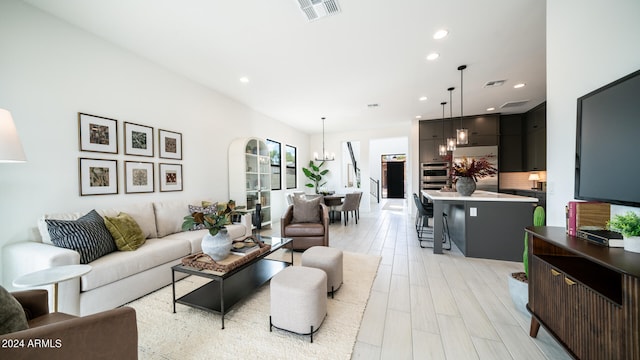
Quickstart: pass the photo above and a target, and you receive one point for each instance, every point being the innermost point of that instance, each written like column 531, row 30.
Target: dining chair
column 350, row 205
column 358, row 207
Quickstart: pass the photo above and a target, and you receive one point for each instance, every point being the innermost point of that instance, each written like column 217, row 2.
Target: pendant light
column 451, row 142
column 325, row 155
column 442, row 148
column 462, row 134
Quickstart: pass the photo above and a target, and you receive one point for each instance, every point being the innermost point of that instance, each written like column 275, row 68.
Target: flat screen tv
column 608, row 143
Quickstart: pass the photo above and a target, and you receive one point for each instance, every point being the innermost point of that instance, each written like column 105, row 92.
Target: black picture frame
column 170, row 177
column 170, row 143
column 139, row 177
column 97, row 133
column 98, row 176
column 138, row 140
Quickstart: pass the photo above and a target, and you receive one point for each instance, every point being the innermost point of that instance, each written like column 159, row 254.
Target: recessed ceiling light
column 423, row 98
column 244, row 79
column 440, row 34
column 418, row 116
column 491, row 109
column 433, row 56
column 518, row 86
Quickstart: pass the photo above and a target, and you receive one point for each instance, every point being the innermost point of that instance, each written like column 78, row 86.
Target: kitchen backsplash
column 519, row 180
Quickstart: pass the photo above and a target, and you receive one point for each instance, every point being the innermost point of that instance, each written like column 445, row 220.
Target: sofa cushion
column 88, row 236
column 170, row 216
column 12, row 317
column 121, row 264
column 194, row 238
column 125, row 231
column 142, row 213
column 306, row 211
column 44, row 229
column 304, row 229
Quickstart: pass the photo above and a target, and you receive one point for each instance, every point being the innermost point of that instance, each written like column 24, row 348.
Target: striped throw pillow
column 88, row 236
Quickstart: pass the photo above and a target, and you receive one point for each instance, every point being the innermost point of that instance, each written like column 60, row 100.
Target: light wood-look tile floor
column 427, row 306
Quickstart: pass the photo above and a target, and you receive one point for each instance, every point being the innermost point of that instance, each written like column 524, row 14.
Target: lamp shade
column 534, row 177
column 10, row 146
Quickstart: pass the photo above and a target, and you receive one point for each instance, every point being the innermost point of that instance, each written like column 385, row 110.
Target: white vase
column 632, row 243
column 218, row 246
column 519, row 292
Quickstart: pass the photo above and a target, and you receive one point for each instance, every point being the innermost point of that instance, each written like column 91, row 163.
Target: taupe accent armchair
column 306, row 235
column 111, row 334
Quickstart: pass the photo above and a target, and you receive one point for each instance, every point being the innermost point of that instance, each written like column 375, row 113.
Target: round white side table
column 52, row 275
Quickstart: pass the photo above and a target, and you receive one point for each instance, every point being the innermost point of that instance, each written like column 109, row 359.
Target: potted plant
column 629, row 225
column 315, row 173
column 466, row 172
column 519, row 281
column 216, row 243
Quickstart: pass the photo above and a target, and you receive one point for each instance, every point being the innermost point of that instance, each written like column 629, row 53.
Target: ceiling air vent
column 511, row 104
column 494, row 83
column 316, row 9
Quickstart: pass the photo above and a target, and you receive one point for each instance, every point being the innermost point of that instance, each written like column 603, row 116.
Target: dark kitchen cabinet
column 433, row 129
column 511, row 150
column 536, row 139
column 429, row 150
column 483, row 130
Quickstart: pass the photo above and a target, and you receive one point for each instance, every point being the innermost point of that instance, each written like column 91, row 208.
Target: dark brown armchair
column 306, row 234
column 111, row 334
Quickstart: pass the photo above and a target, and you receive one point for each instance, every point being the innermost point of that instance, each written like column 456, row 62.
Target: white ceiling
column 374, row 51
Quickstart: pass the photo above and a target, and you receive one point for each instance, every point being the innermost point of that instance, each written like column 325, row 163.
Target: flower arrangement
column 214, row 221
column 473, row 168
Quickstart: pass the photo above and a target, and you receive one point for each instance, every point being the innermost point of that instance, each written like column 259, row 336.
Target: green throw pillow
column 12, row 317
column 125, row 231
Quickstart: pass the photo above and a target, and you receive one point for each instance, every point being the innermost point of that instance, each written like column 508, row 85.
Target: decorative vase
column 465, row 186
column 218, row 246
column 632, row 243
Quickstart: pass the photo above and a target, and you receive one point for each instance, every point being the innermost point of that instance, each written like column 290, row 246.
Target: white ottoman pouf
column 298, row 300
column 327, row 259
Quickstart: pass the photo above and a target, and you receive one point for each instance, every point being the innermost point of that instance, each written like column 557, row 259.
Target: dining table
column 332, row 201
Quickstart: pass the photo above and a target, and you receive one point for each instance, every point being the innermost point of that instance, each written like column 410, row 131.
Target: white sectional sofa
column 121, row 276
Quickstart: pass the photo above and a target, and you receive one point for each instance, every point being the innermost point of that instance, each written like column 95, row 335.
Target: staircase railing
column 374, row 188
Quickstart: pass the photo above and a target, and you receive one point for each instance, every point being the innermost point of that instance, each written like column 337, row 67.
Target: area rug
column 195, row 334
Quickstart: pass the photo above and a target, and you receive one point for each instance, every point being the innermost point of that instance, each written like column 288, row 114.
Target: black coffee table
column 225, row 290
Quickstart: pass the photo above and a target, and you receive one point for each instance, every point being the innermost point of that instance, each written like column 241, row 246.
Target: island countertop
column 478, row 195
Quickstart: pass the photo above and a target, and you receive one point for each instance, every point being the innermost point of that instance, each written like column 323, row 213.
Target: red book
column 571, row 218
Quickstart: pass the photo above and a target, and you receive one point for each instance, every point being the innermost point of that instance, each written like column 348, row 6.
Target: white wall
column 589, row 44
column 50, row 71
column 367, row 139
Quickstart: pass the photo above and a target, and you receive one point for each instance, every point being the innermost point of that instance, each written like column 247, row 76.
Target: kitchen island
column 484, row 225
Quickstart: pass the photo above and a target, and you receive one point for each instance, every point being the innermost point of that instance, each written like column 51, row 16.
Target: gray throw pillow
column 88, row 236
column 306, row 211
column 206, row 210
column 12, row 317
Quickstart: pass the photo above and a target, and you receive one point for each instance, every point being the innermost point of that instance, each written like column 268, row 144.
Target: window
column 291, row 167
column 276, row 167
